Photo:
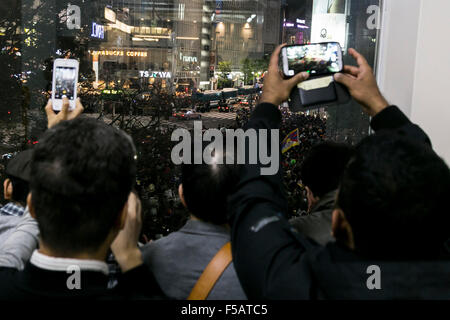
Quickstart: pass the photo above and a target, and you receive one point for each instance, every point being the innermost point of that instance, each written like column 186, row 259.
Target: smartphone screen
column 320, row 58
column 65, row 80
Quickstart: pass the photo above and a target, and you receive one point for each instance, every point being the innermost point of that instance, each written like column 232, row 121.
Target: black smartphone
column 316, row 59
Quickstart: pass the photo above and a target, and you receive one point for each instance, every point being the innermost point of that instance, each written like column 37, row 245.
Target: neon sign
column 155, row 74
column 98, row 31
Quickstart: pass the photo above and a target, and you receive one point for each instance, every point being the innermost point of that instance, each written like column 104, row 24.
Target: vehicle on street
column 225, row 108
column 187, row 114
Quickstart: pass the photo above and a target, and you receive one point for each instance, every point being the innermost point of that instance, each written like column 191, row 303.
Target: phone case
column 318, row 92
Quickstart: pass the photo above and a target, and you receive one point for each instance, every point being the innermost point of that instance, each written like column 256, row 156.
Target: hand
column 362, row 85
column 276, row 88
column 125, row 246
column 53, row 119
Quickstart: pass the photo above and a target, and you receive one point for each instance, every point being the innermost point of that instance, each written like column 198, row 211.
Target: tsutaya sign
column 155, row 74
column 119, row 53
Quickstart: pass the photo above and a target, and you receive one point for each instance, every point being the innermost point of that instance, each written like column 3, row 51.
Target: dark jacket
column 178, row 261
column 317, row 224
column 275, row 262
column 34, row 283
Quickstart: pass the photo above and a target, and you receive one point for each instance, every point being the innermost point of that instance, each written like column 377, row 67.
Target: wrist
column 129, row 260
column 269, row 99
column 378, row 105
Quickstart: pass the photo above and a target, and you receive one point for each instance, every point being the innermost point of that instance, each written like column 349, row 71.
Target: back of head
column 81, row 175
column 18, row 172
column 206, row 188
column 323, row 167
column 395, row 194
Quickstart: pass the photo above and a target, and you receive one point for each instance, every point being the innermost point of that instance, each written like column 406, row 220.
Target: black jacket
column 273, row 261
column 34, row 283
column 317, row 224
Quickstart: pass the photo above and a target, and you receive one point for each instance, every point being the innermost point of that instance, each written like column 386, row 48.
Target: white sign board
column 329, row 27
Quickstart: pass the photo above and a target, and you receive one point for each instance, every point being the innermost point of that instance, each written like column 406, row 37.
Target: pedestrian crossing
column 219, row 115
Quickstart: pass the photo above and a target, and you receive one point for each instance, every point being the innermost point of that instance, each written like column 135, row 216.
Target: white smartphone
column 65, row 80
column 316, row 59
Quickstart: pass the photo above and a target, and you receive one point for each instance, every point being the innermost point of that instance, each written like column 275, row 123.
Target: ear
column 311, row 199
column 7, row 189
column 30, row 206
column 181, row 194
column 341, row 229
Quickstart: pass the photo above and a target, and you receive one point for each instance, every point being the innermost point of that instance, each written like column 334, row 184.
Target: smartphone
column 316, row 59
column 65, row 80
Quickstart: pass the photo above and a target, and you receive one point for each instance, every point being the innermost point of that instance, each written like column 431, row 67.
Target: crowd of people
column 87, row 201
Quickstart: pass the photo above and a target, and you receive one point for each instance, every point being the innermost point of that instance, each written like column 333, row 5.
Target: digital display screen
column 65, row 79
column 315, row 58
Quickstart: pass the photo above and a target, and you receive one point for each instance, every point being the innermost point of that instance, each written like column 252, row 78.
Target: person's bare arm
column 125, row 246
column 53, row 119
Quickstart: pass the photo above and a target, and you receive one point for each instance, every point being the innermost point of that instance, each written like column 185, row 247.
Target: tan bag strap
column 212, row 273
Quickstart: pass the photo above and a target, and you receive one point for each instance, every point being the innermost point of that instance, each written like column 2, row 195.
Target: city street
column 213, row 119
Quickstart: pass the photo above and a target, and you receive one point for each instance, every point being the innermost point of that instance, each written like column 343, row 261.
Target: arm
column 53, row 119
column 364, row 89
column 136, row 281
column 125, row 245
column 267, row 255
column 18, row 248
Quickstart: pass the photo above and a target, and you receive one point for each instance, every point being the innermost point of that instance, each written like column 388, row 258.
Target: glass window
column 141, row 62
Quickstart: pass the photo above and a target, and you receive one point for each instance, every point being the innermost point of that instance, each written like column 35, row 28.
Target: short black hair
column 207, row 187
column 324, row 165
column 82, row 172
column 20, row 189
column 395, row 194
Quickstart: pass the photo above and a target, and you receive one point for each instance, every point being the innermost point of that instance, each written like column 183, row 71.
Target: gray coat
column 317, row 224
column 178, row 260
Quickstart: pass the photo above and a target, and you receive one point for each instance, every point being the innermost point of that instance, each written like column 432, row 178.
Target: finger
column 65, row 108
column 78, row 110
column 49, row 109
column 273, row 65
column 345, row 79
column 297, row 79
column 354, row 71
column 360, row 60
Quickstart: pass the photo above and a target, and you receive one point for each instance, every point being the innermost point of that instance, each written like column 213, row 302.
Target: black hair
column 324, row 165
column 206, row 188
column 394, row 194
column 20, row 189
column 82, row 172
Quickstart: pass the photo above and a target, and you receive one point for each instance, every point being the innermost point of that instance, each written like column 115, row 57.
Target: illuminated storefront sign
column 156, row 74
column 119, row 53
column 98, row 31
column 110, row 15
column 191, row 59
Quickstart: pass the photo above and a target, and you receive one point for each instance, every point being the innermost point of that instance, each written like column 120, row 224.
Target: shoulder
column 8, row 280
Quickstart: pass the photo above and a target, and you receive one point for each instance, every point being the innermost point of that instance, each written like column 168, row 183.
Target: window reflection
column 152, row 59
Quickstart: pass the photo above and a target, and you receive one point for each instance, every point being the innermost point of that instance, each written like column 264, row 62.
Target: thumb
column 298, row 79
column 344, row 79
column 65, row 108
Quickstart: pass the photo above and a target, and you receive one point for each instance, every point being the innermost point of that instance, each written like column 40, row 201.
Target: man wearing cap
column 15, row 186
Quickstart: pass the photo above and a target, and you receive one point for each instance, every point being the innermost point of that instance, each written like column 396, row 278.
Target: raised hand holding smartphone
column 65, row 80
